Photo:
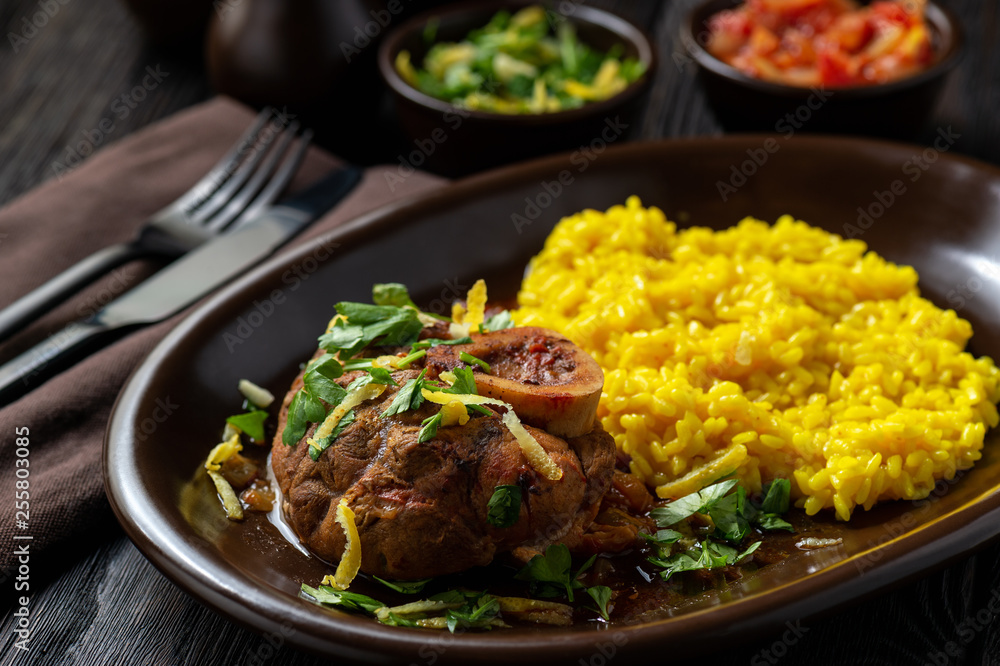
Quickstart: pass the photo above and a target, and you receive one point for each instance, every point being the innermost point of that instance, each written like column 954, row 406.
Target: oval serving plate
column 944, row 220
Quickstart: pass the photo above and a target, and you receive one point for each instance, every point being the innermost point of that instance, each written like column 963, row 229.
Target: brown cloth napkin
column 104, row 201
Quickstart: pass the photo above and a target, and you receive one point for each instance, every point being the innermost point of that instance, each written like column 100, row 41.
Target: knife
column 178, row 285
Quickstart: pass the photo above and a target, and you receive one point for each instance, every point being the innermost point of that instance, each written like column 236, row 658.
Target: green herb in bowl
column 520, row 64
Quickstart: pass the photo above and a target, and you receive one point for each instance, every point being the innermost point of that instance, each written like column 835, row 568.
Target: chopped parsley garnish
column 429, row 428
column 504, row 507
column 303, row 410
column 323, row 444
column 466, row 357
column 601, row 594
column 319, row 380
column 497, row 322
column 460, row 608
column 342, row 337
column 697, row 502
column 707, row 554
column 771, row 521
column 777, row 496
column 465, row 382
column 252, row 423
column 358, row 364
column 362, row 325
column 381, row 376
column 427, row 343
column 362, row 380
column 663, row 537
column 408, row 397
column 405, row 587
column 549, row 575
column 732, row 513
column 393, row 321
column 477, row 613
column 392, row 293
column 410, row 358
column 329, row 596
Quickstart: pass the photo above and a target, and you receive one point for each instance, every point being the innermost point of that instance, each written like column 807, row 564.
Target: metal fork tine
column 278, row 182
column 221, row 172
column 208, row 208
column 243, row 197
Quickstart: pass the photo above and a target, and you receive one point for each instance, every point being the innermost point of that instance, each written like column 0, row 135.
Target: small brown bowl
column 897, row 109
column 454, row 141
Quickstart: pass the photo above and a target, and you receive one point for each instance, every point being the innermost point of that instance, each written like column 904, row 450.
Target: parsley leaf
column 252, row 423
column 399, row 326
column 465, row 382
column 303, row 410
column 498, row 322
column 329, row 596
column 770, row 521
column 363, row 324
column 408, row 397
column 601, row 594
column 549, row 575
column 687, row 560
column 476, row 614
column 754, row 546
column 381, row 376
column 404, row 586
column 391, row 293
column 733, row 514
column 662, row 537
column 705, row 555
column 427, row 343
column 729, row 515
column 767, row 514
column 319, row 380
column 504, row 507
column 393, row 620
column 777, row 495
column 362, row 380
column 429, row 428
column 323, row 444
column 328, row 364
column 455, row 596
column 686, row 506
column 342, row 337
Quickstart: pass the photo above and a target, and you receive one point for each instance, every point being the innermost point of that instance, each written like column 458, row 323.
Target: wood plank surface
column 110, row 606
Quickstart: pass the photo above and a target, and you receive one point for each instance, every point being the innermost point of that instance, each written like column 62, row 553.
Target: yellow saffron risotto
column 772, row 350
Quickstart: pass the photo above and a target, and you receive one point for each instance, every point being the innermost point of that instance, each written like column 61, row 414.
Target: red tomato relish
column 829, row 43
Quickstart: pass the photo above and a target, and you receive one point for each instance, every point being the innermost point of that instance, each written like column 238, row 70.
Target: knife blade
column 180, row 284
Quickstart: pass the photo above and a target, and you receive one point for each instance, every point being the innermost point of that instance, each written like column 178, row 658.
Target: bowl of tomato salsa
column 823, row 65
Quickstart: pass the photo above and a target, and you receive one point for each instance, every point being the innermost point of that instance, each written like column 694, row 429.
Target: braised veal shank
column 421, row 508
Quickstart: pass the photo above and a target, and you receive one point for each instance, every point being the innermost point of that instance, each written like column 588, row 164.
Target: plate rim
column 332, row 632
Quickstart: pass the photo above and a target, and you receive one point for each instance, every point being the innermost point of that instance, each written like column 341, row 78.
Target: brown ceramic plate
column 944, row 220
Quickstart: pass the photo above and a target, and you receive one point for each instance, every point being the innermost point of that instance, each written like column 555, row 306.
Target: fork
column 244, row 182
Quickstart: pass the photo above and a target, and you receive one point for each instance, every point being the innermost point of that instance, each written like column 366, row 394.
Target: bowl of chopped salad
column 481, row 84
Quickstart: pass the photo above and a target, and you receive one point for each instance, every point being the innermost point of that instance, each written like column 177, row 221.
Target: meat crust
column 421, row 508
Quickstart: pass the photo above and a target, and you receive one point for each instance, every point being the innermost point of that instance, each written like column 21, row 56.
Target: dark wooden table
column 108, row 605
